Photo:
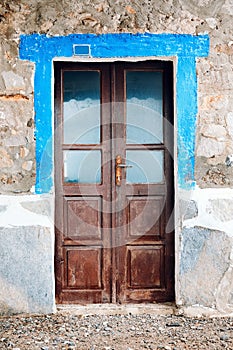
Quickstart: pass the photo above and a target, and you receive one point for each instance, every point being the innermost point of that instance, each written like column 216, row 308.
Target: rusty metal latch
column 119, row 166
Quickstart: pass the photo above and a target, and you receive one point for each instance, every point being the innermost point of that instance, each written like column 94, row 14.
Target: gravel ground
column 118, row 332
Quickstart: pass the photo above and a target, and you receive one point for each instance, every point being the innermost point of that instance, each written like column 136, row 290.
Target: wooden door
column 114, row 182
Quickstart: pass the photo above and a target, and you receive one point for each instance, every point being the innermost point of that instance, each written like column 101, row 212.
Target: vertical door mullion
column 119, row 147
column 106, row 178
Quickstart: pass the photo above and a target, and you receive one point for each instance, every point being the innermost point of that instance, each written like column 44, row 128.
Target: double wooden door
column 114, row 182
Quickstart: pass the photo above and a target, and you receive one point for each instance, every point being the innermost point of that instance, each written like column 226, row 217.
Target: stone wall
column 215, row 76
column 206, row 251
column 204, row 215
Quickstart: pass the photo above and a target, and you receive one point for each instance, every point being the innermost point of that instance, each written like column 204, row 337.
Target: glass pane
column 147, row 166
column 81, row 107
column 82, row 166
column 144, row 107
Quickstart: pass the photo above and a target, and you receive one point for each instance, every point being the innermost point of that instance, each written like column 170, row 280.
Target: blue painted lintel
column 42, row 49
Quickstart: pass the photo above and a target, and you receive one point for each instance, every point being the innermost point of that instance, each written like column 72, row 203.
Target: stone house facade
column 196, row 38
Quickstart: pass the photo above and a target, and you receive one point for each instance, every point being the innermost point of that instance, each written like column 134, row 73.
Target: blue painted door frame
column 42, row 50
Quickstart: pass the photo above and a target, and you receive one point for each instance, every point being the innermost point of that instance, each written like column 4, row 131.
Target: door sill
column 117, row 309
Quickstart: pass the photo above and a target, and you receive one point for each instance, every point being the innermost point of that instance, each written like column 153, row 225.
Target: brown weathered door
column 114, row 182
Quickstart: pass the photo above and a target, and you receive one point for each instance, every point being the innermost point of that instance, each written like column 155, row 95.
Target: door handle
column 124, row 166
column 119, row 166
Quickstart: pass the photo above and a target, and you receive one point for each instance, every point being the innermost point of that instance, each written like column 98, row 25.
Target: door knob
column 119, row 166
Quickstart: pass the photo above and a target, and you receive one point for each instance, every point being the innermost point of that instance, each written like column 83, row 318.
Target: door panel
column 145, row 217
column 84, row 267
column 83, row 219
column 139, row 275
column 114, row 182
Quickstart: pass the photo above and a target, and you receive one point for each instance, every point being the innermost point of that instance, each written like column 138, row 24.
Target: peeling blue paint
column 42, row 49
column 186, row 102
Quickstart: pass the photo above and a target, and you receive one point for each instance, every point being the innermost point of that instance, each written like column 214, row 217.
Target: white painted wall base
column 27, row 255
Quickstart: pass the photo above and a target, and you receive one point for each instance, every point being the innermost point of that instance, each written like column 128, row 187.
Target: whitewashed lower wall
column 26, row 255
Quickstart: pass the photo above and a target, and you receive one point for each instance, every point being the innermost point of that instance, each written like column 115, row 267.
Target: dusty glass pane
column 81, row 107
column 147, row 166
column 144, row 105
column 82, row 166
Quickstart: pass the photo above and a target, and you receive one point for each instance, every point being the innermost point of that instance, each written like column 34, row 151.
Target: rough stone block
column 203, row 8
column 26, row 270
column 208, row 147
column 214, row 131
column 5, row 159
column 209, row 175
column 204, row 263
column 216, row 160
column 188, row 209
column 13, row 82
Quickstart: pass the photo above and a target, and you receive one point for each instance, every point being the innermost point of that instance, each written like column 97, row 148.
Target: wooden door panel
column 85, row 274
column 84, row 267
column 146, row 217
column 145, row 267
column 83, row 219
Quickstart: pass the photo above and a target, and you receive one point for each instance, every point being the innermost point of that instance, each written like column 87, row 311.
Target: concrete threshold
column 117, row 309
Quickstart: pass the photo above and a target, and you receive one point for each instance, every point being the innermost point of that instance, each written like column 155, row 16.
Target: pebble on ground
column 118, row 332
